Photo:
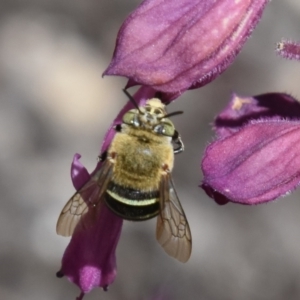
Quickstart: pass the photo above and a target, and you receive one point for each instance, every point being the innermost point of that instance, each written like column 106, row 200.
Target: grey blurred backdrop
column 53, row 103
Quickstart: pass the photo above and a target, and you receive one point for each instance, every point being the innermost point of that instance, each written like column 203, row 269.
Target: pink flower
column 174, row 45
column 255, row 158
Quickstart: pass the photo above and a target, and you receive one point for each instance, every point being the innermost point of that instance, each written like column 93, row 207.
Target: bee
column 135, row 180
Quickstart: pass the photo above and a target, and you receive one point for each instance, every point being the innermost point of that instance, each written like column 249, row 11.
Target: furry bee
column 135, row 180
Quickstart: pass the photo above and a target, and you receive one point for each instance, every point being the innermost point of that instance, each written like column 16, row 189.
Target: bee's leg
column 102, row 156
column 176, row 139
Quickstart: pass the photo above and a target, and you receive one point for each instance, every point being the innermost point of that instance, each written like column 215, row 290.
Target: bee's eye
column 130, row 118
column 166, row 129
column 159, row 129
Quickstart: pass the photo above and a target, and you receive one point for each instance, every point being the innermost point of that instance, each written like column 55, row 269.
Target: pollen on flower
column 280, row 46
column 239, row 102
column 288, row 49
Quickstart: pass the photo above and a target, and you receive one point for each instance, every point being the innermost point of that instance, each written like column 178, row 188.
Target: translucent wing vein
column 84, row 204
column 173, row 231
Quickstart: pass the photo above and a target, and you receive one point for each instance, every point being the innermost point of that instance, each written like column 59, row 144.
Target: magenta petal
column 241, row 110
column 90, row 260
column 176, row 45
column 259, row 163
column 79, row 173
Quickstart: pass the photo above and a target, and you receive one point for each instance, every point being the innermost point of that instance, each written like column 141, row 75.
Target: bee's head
column 152, row 113
column 151, row 117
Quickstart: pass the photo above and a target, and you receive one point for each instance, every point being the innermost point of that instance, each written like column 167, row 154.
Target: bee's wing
column 173, row 231
column 87, row 199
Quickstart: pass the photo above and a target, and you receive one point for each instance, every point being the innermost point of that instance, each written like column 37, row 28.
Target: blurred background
column 54, row 103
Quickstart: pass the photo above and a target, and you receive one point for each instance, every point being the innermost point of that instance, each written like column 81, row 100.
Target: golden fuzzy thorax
column 140, row 158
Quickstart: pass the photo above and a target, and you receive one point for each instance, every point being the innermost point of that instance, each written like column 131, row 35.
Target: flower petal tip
column 80, row 297
column 60, row 274
column 79, row 173
column 89, row 260
column 219, row 198
column 288, row 49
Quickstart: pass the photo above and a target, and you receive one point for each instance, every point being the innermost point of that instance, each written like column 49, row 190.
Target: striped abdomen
column 132, row 204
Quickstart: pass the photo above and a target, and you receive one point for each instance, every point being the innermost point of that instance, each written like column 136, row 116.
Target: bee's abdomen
column 132, row 204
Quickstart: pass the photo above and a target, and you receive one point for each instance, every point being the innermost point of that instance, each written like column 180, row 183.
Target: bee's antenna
column 172, row 114
column 132, row 100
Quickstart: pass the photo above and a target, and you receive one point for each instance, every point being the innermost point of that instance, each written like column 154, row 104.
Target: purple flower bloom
column 173, row 46
column 256, row 157
column 89, row 260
